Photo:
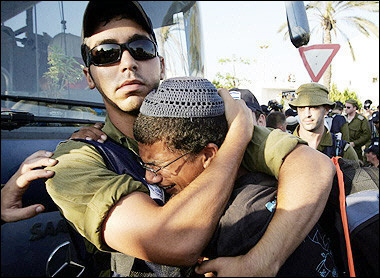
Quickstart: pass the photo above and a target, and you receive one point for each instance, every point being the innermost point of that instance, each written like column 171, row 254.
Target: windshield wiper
column 14, row 119
column 56, row 101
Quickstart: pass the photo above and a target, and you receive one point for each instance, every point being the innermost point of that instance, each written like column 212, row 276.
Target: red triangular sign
column 317, row 58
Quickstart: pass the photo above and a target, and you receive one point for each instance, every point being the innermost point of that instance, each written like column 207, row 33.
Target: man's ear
column 209, row 153
column 90, row 82
column 162, row 68
column 327, row 109
column 261, row 121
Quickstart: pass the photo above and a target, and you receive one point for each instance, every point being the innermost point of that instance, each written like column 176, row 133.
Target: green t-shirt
column 85, row 190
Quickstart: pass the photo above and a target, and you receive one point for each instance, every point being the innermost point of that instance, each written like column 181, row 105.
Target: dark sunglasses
column 109, row 53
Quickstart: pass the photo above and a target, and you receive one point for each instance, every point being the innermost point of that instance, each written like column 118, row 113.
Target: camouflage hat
column 353, row 102
column 311, row 94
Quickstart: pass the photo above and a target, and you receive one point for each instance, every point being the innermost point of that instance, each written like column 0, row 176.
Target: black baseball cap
column 339, row 105
column 249, row 99
column 103, row 11
column 291, row 112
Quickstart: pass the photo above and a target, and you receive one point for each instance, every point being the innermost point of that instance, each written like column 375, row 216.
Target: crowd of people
column 189, row 139
column 326, row 125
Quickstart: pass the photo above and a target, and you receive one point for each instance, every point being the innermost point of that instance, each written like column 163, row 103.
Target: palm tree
column 333, row 15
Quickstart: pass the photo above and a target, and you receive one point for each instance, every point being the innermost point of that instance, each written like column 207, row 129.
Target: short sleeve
column 85, row 190
column 268, row 149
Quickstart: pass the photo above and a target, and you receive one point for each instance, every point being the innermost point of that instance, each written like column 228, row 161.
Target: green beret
column 353, row 102
column 311, row 94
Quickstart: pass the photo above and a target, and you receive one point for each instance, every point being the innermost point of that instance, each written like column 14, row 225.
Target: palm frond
column 365, row 26
column 371, row 6
column 348, row 42
column 282, row 27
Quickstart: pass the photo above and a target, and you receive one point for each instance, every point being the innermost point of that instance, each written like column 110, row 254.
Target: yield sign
column 317, row 58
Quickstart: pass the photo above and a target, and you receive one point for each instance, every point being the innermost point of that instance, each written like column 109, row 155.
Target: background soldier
column 359, row 129
column 312, row 105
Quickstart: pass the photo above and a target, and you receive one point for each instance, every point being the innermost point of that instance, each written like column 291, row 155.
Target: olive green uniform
column 360, row 133
column 85, row 190
column 326, row 141
column 345, row 132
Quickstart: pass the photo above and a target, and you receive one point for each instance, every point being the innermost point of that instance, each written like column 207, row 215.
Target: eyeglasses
column 149, row 166
column 109, row 53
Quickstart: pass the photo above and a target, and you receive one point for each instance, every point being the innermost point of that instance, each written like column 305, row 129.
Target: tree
column 63, row 70
column 332, row 16
column 230, row 80
column 336, row 95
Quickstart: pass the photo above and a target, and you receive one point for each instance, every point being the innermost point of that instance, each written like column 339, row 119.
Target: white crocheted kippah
column 183, row 97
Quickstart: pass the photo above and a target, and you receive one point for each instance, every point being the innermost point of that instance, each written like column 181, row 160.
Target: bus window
column 41, row 65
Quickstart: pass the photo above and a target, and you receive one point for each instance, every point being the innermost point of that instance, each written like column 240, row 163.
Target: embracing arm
column 304, row 184
column 176, row 233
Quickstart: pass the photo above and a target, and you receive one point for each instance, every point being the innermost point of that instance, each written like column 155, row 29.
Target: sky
column 239, row 28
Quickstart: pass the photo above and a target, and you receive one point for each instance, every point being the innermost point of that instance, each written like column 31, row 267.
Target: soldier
column 358, row 125
column 312, row 105
column 336, row 122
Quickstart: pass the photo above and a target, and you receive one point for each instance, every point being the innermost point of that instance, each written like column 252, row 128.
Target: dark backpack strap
column 121, row 160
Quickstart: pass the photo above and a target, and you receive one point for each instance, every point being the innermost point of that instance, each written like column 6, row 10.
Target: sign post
column 317, row 58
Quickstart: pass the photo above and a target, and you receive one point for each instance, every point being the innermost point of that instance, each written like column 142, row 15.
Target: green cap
column 353, row 102
column 311, row 94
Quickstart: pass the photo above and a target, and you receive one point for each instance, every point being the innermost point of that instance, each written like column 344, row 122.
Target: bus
column 45, row 98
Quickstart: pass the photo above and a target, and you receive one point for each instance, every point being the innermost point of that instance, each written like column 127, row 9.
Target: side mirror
column 298, row 24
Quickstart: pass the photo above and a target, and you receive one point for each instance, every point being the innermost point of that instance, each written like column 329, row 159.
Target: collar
column 326, row 140
column 354, row 117
column 119, row 137
column 296, row 131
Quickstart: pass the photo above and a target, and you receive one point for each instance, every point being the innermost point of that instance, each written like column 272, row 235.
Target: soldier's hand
column 93, row 133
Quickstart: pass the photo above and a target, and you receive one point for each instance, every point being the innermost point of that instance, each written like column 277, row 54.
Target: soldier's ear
column 90, row 81
column 162, row 65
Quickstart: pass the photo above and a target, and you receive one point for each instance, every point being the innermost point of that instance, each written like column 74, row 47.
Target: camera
column 274, row 105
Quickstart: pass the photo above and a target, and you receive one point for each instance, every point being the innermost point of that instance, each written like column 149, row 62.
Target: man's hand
column 12, row 192
column 93, row 133
column 238, row 115
column 225, row 267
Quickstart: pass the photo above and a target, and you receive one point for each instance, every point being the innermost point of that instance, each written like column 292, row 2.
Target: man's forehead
column 156, row 152
column 313, row 106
